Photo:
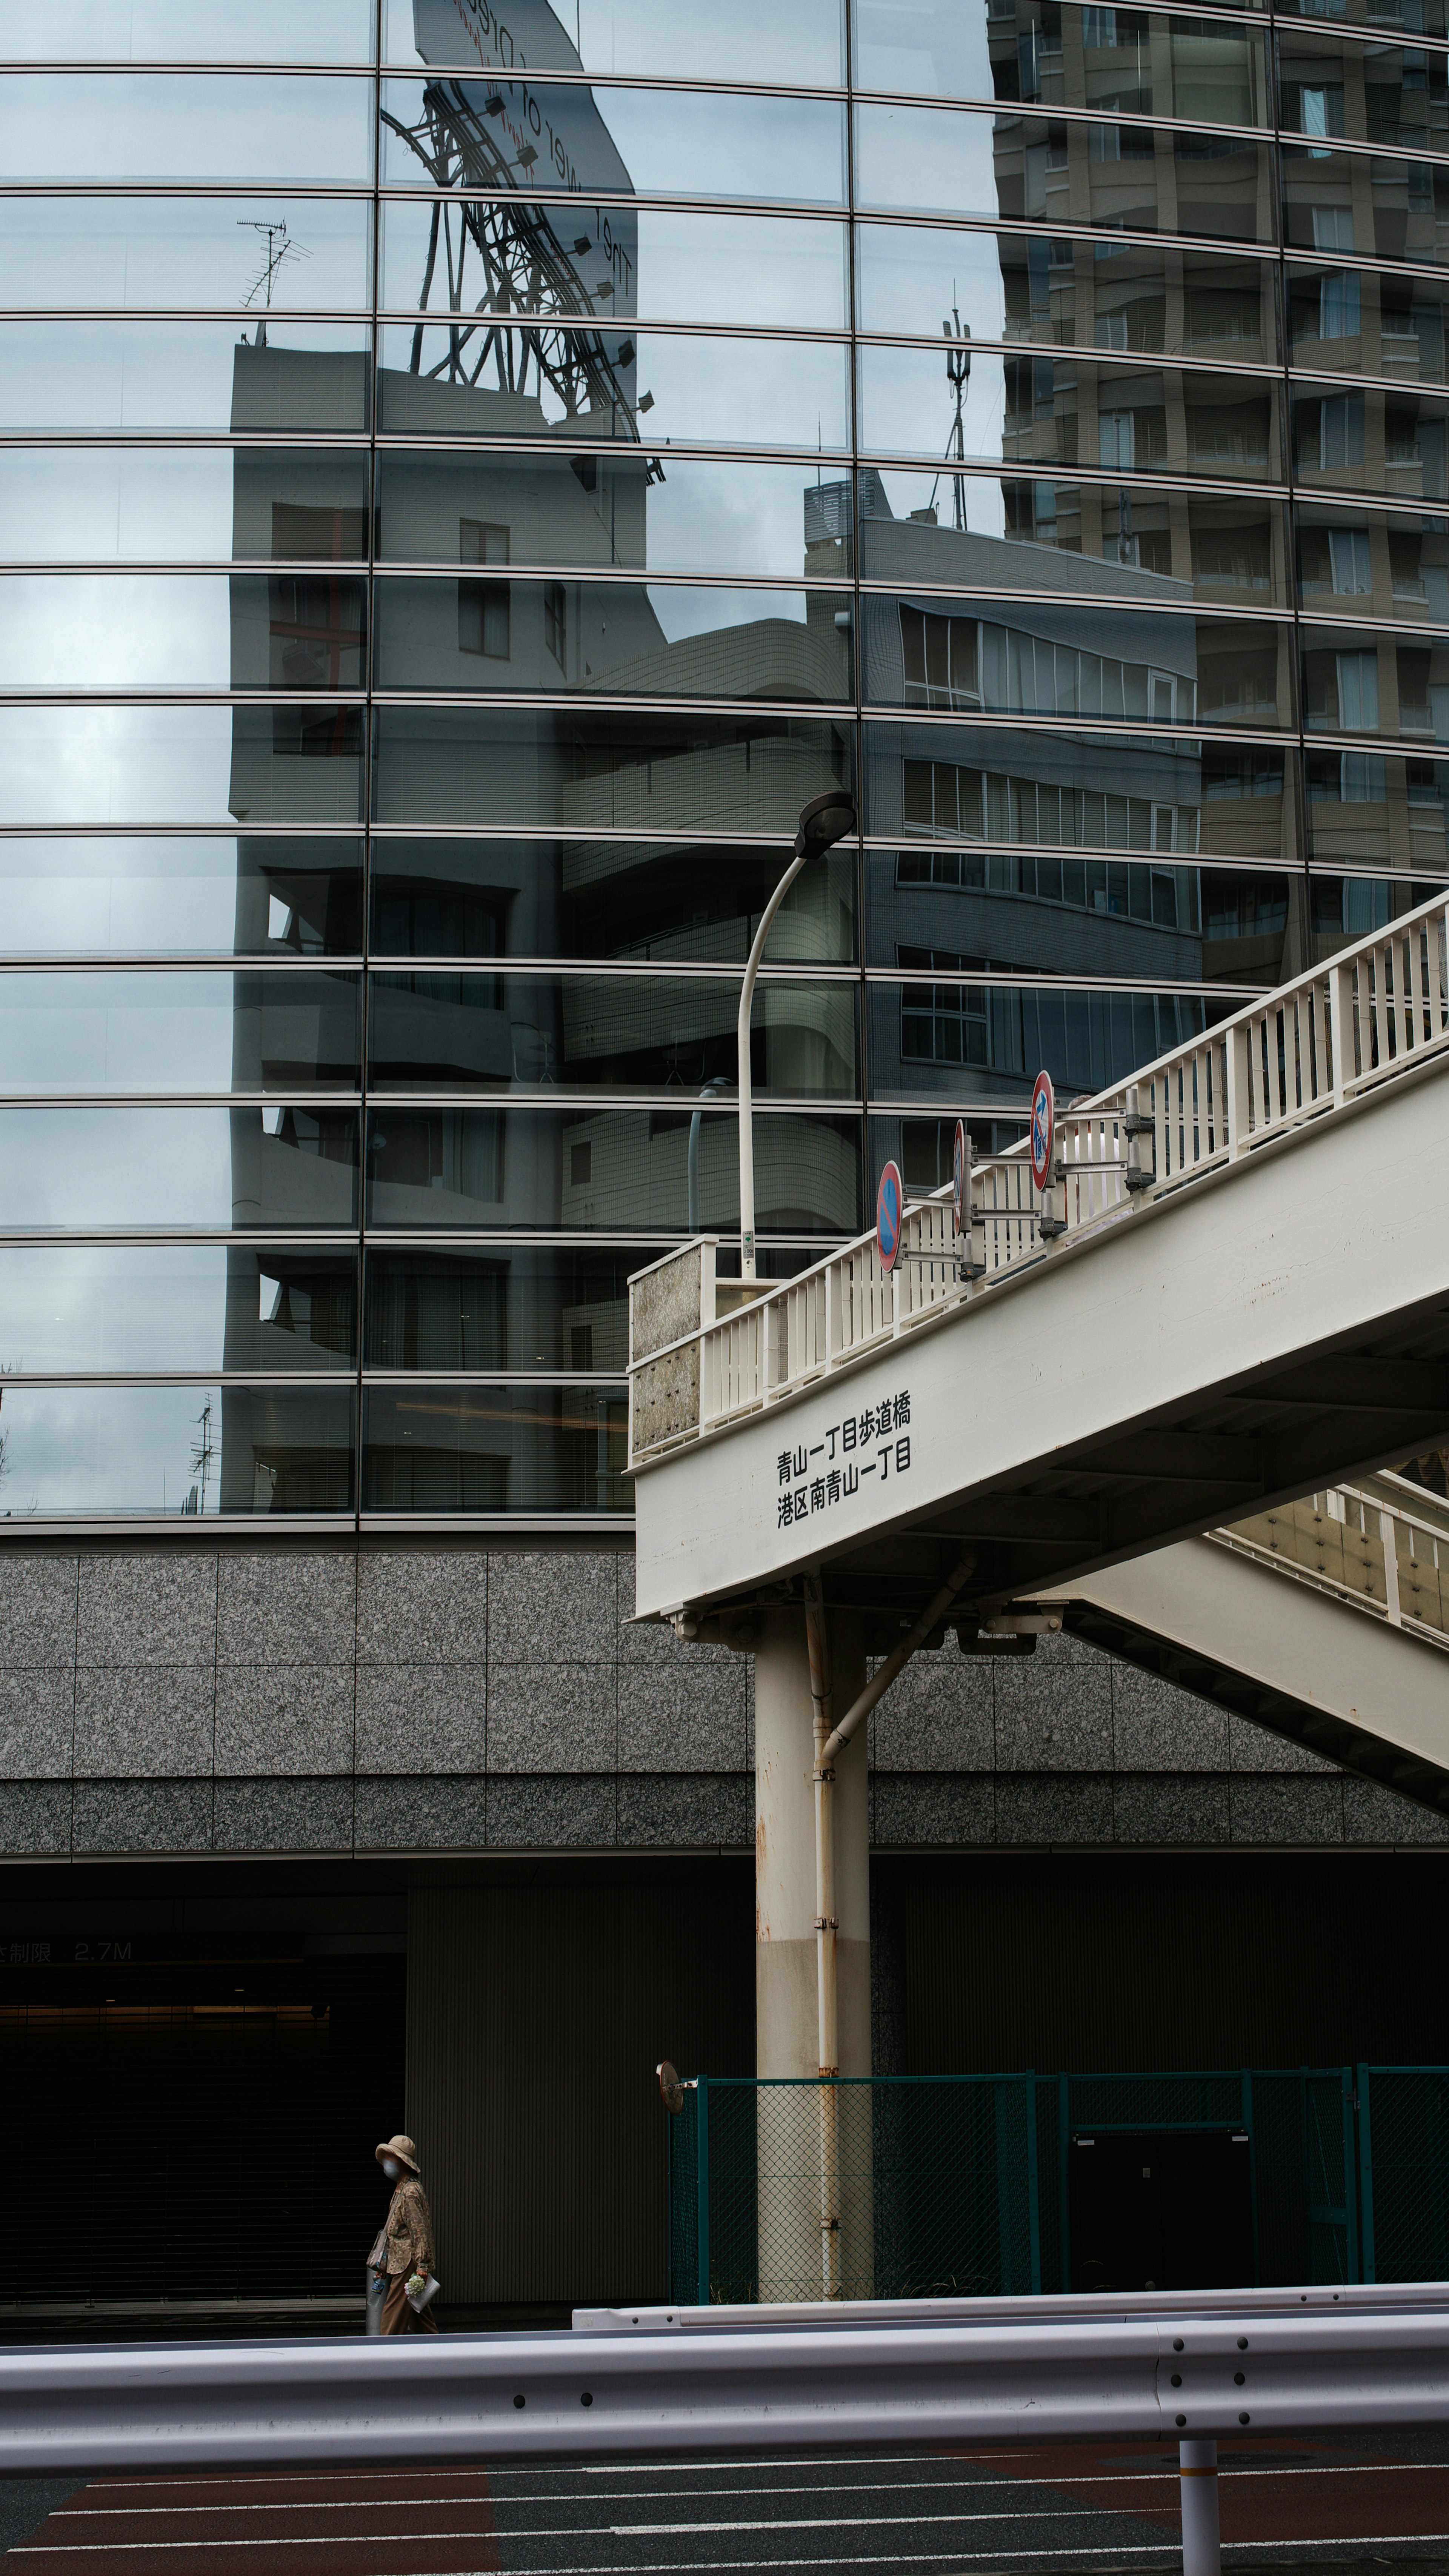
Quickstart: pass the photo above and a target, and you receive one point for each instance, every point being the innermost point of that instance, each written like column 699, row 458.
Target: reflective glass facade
column 468, row 475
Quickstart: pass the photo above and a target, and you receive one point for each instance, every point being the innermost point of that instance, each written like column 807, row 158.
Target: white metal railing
column 1372, row 1013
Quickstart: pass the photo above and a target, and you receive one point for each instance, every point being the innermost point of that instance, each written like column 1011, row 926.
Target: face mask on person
column 391, row 2168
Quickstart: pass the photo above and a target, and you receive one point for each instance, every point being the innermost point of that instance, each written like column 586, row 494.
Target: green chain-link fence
column 1403, row 2148
column 922, row 2186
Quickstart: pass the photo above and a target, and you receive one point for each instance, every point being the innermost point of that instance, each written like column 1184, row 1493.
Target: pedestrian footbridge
column 1246, row 1301
column 1326, row 1620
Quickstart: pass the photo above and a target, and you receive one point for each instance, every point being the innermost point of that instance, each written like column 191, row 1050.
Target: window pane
column 1064, row 911
column 582, row 771
column 682, row 37
column 610, row 1171
column 699, row 514
column 1122, row 794
column 142, row 1170
column 183, row 376
column 177, row 1032
column 1071, row 412
column 953, row 161
column 681, row 266
column 1393, row 565
column 191, row 505
column 614, row 142
column 1228, row 552
column 177, row 1452
column 980, row 1043
column 178, row 896
column 501, row 1308
column 144, row 631
column 179, row 126
column 1376, row 809
column 615, row 638
column 1372, row 438
column 88, row 1309
column 1072, row 55
column 1126, row 652
column 194, row 765
column 633, row 900
column 1129, row 296
column 713, row 392
column 496, row 1449
column 625, row 1032
column 158, row 251
column 194, row 31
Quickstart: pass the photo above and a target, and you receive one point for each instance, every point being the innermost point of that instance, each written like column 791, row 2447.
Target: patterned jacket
column 409, row 2228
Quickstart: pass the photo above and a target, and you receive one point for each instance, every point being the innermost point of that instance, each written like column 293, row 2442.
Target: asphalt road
column 1092, row 2507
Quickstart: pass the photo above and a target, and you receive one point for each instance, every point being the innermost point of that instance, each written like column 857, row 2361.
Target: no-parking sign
column 890, row 1202
column 1043, row 1129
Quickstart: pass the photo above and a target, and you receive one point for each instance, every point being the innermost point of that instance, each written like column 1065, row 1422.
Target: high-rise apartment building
column 468, row 475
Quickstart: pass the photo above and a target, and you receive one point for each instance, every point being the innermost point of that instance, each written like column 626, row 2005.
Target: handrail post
column 1197, row 2468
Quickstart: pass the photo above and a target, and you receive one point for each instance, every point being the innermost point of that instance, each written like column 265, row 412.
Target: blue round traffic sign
column 1043, row 1130
column 890, row 1205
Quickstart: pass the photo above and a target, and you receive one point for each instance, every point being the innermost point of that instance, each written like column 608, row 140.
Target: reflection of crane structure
column 510, row 250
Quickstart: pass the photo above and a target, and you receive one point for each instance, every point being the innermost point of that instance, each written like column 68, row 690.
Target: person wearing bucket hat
column 403, row 2254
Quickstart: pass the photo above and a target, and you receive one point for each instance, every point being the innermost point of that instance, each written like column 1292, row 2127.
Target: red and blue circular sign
column 960, row 1176
column 890, row 1209
column 1043, row 1130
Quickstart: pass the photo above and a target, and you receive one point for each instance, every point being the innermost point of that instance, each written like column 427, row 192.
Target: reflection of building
column 519, row 595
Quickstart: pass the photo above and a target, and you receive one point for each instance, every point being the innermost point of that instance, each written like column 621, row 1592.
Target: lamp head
column 824, row 821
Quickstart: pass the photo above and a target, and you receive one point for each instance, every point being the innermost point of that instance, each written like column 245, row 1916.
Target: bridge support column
column 814, row 2189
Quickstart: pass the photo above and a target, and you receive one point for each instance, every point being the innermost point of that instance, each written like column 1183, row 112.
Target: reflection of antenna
column 203, row 1451
column 958, row 376
column 279, row 250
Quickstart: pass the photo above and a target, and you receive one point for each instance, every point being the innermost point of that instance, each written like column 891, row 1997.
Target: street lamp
column 823, row 822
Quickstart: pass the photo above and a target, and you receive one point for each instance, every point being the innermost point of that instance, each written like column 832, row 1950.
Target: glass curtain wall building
column 468, row 475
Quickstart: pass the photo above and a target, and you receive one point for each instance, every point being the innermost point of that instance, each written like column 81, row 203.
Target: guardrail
column 626, row 2385
column 704, row 1354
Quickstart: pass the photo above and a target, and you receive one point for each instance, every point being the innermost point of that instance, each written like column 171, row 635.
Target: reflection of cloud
column 115, row 631
column 137, row 375
column 729, row 518
column 104, row 1168
column 682, row 612
column 92, row 1307
column 152, row 251
column 93, row 503
column 115, row 764
column 79, row 1033
column 174, row 126
column 101, row 1449
column 87, row 896
column 925, row 158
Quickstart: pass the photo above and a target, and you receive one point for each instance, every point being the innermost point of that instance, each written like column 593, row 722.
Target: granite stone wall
column 249, row 1699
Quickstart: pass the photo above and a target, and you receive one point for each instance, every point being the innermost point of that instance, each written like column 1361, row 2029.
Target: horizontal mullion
column 917, row 843
column 1109, row 728
column 1026, row 980
column 336, row 1380
column 109, row 962
column 297, row 1098
column 1083, row 478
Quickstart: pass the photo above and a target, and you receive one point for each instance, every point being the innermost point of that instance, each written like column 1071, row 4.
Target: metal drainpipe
column 827, row 1931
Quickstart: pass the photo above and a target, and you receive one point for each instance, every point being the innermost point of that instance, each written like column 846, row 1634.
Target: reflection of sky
column 83, row 898
column 912, row 279
column 936, row 48
column 908, row 406
column 97, row 1033
column 93, row 1307
column 156, row 251
column 115, row 631
column 985, row 508
column 690, row 39
column 194, row 31
column 112, row 1449
column 115, row 764
column 767, row 393
column 107, row 1168
column 692, row 267
column 682, row 611
column 711, row 516
column 674, row 143
column 925, row 159
column 176, row 126
column 139, row 375
column 92, row 504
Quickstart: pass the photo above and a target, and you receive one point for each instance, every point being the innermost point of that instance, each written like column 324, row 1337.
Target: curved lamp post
column 824, row 821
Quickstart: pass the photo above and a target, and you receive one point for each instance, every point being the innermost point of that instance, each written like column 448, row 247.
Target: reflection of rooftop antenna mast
column 279, row 250
column 203, row 1452
column 958, row 376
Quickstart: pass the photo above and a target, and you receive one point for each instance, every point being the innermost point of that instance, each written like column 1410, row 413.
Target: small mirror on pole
column 671, row 2091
